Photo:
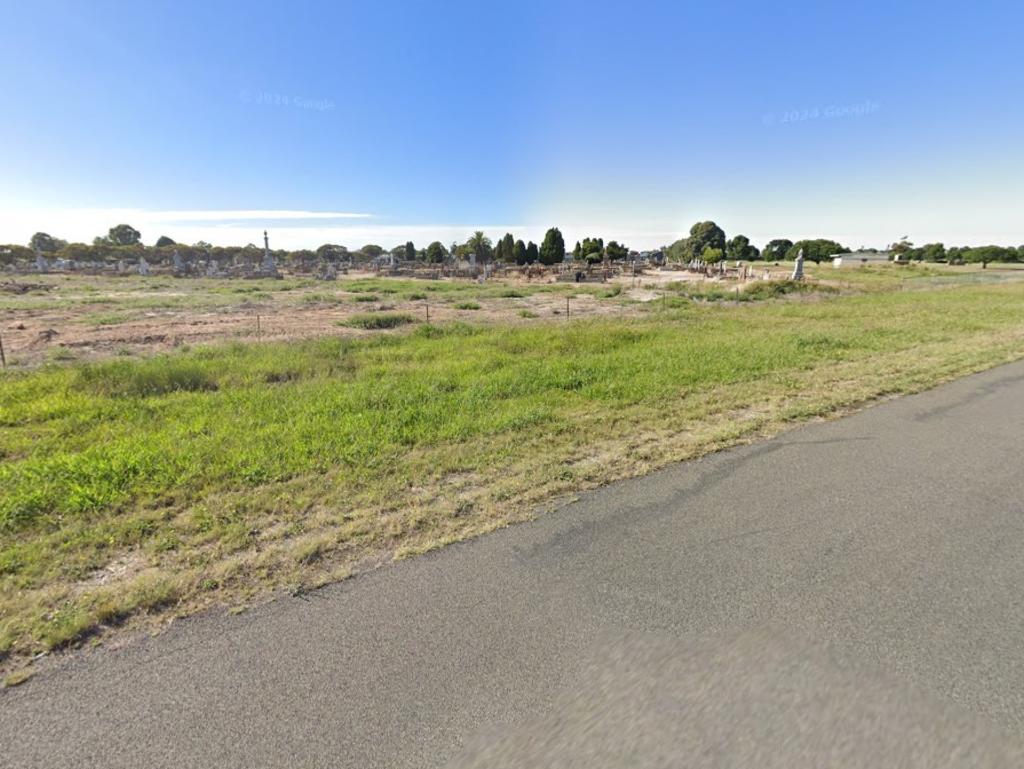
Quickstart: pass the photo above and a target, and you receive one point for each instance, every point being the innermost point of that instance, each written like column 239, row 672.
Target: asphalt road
column 850, row 593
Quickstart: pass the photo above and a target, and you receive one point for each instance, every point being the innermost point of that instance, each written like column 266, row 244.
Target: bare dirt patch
column 88, row 318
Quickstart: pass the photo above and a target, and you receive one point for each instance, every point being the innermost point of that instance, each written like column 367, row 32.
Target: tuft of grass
column 321, row 299
column 365, row 298
column 106, row 319
column 466, row 306
column 156, row 376
column 528, row 314
column 380, row 320
column 773, row 289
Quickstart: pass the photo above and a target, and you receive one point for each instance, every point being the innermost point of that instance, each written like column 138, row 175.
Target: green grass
column 380, row 320
column 466, row 306
column 752, row 292
column 216, row 473
column 106, row 319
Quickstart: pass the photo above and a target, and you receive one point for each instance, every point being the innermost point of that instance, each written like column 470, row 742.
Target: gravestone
column 269, row 267
column 143, row 266
column 798, row 268
column 41, row 264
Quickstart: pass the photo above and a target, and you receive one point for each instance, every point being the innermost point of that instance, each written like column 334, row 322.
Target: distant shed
column 860, row 258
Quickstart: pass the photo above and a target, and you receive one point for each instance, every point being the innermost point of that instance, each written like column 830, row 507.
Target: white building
column 860, row 258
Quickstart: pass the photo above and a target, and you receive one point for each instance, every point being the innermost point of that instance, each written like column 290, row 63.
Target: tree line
column 706, row 242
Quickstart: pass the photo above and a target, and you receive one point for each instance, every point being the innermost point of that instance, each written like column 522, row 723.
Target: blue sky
column 859, row 121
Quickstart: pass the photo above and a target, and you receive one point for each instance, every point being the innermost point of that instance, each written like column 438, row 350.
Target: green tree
column 519, row 252
column 304, row 257
column 480, row 245
column 371, row 250
column 986, row 254
column 331, row 252
column 436, row 252
column 902, row 247
column 704, row 235
column 123, row 235
column 76, row 251
column 592, row 249
column 46, row 243
column 678, row 251
column 11, row 253
column 532, row 253
column 739, row 248
column 817, row 250
column 552, row 250
column 615, row 252
column 508, row 247
column 163, row 241
column 410, row 252
column 577, row 252
column 776, row 250
column 712, row 255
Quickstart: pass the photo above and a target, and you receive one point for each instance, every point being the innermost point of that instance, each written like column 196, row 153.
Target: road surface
column 849, row 593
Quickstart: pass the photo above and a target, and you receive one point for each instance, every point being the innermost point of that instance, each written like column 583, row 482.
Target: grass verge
column 137, row 489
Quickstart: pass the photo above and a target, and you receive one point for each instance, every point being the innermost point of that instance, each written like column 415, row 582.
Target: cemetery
column 55, row 310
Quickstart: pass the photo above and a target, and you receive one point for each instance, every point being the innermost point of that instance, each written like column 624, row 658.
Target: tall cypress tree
column 508, row 246
column 552, row 250
column 519, row 252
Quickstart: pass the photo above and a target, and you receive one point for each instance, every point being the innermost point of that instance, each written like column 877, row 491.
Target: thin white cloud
column 236, row 215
